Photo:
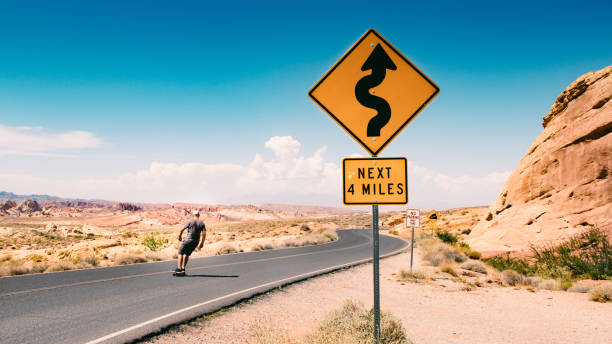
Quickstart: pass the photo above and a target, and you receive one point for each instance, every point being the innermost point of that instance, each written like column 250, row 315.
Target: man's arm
column 180, row 238
column 203, row 238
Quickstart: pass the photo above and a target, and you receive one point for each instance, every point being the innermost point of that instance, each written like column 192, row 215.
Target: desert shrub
column 414, row 276
column 330, row 236
column 38, row 268
column 154, row 257
column 354, row 324
column 588, row 254
column 129, row 258
column 226, row 249
column 394, row 232
column 265, row 331
column 441, row 253
column 19, row 270
column 449, row 269
column 261, row 246
column 447, row 237
column 509, row 263
column 532, row 281
column 565, row 285
column 466, row 231
column 580, row 288
column 601, row 293
column 36, row 258
column 549, row 284
column 511, row 277
column 305, row 228
column 91, row 260
column 474, row 266
column 5, row 258
column 475, row 255
column 60, row 266
column 154, row 243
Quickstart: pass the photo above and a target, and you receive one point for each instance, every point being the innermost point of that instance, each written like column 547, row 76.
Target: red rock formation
column 563, row 184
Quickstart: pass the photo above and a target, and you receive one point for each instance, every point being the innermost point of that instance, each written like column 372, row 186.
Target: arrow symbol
column 378, row 62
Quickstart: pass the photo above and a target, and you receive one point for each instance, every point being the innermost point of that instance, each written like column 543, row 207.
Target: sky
column 193, row 101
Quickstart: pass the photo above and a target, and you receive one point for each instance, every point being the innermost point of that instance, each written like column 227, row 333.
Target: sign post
column 373, row 92
column 413, row 218
column 375, row 254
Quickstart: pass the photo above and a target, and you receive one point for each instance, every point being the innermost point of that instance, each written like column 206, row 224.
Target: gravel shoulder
column 441, row 311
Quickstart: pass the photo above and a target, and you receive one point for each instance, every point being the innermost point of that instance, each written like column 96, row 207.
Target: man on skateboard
column 195, row 228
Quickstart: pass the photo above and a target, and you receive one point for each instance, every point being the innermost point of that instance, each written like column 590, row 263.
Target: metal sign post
column 376, row 274
column 411, row 248
column 413, row 217
column 346, row 93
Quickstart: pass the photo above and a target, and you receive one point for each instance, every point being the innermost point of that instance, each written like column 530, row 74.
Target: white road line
column 118, row 333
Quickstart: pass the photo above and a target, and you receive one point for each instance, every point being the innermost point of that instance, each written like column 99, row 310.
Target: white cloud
column 288, row 177
column 36, row 142
column 431, row 189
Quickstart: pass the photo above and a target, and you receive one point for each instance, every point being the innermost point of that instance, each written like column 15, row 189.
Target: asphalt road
column 123, row 303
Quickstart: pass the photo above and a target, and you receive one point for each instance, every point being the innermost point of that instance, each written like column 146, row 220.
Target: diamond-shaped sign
column 373, row 92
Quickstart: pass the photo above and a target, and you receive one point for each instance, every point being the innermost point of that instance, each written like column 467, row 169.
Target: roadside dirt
column 441, row 311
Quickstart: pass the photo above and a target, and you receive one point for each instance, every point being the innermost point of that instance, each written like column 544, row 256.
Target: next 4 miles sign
column 375, row 181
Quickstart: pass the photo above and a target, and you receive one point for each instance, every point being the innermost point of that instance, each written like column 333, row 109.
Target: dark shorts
column 187, row 247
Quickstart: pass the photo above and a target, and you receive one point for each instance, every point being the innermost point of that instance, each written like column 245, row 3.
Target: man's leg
column 185, row 262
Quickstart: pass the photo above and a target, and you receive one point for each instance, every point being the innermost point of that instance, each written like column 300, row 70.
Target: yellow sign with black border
column 373, row 92
column 375, row 181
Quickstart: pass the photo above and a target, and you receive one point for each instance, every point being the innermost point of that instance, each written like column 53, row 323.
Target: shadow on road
column 214, row 276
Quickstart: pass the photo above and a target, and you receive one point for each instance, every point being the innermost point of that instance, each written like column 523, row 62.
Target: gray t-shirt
column 194, row 229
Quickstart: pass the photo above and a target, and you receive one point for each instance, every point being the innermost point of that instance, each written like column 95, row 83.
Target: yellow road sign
column 375, row 181
column 373, row 92
column 433, row 216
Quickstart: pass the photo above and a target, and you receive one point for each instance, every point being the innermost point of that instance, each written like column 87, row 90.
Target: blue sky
column 210, row 83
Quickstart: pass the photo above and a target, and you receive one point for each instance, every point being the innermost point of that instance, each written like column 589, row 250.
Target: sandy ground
column 434, row 312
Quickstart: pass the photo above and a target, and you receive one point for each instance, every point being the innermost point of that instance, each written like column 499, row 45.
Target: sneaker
column 176, row 272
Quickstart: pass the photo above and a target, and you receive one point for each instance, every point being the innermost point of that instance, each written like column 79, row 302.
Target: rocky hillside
column 563, row 184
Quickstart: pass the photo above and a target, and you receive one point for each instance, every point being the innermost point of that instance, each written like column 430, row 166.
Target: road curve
column 123, row 303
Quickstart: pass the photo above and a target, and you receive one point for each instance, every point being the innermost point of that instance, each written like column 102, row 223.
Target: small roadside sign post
column 373, row 92
column 413, row 219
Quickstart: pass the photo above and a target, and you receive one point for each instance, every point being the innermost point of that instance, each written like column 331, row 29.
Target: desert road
column 123, row 303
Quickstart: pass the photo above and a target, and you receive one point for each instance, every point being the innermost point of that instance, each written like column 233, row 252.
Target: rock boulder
column 563, row 184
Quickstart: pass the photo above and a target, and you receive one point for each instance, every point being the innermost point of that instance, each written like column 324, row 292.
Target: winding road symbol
column 378, row 62
column 373, row 92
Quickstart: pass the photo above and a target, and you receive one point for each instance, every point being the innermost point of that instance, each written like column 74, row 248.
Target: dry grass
column 353, row 324
column 438, row 253
column 262, row 245
column 580, row 288
column 549, row 284
column 448, row 268
column 601, row 293
column 511, row 277
column 60, row 266
column 263, row 331
column 226, row 249
column 129, row 258
column 414, row 276
column 475, row 266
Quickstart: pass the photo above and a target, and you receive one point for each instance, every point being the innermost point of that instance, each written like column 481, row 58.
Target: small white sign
column 413, row 217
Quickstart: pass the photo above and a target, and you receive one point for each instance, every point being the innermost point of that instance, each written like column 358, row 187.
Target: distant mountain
column 306, row 209
column 5, row 196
